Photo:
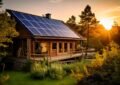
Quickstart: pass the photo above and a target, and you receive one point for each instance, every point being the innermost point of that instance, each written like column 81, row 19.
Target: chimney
column 48, row 15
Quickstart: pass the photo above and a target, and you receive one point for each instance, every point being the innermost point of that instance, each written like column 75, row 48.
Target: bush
column 27, row 66
column 95, row 79
column 38, row 71
column 68, row 68
column 56, row 71
column 78, row 67
column 105, row 69
column 79, row 70
column 3, row 78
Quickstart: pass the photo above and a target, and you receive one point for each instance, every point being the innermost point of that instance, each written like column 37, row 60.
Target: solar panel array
column 41, row 26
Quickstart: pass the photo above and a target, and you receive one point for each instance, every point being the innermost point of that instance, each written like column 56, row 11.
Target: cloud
column 55, row 1
column 116, row 9
column 112, row 13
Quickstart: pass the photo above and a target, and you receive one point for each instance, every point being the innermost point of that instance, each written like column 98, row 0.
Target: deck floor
column 63, row 57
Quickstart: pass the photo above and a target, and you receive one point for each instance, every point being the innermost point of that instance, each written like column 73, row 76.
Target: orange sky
column 63, row 9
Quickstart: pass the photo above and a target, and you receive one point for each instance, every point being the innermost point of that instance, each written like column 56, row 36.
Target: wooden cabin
column 42, row 36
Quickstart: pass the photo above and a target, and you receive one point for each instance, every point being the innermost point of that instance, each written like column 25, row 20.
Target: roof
column 43, row 27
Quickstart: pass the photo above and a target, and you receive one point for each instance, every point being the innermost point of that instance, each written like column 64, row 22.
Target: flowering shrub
column 3, row 78
column 56, row 71
column 105, row 69
column 38, row 71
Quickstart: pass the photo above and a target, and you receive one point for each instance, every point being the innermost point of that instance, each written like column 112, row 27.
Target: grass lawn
column 20, row 78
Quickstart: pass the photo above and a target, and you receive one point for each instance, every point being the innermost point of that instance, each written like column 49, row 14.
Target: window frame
column 71, row 45
column 54, row 47
column 65, row 47
column 38, row 49
column 60, row 47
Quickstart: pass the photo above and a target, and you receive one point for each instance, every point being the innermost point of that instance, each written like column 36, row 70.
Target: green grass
column 20, row 78
column 86, row 61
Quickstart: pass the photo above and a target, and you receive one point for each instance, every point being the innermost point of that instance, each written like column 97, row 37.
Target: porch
column 39, row 48
column 52, row 50
column 74, row 55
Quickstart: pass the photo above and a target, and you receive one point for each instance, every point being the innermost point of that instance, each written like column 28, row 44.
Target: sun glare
column 107, row 23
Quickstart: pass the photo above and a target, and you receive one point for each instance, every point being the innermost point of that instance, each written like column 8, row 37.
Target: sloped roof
column 44, row 27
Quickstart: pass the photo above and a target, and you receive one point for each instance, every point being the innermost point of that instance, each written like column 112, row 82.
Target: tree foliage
column 105, row 69
column 87, row 18
column 7, row 31
column 71, row 22
column 89, row 27
column 115, row 33
column 88, row 24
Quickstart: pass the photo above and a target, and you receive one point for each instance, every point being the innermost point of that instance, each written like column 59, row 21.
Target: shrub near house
column 104, row 70
column 41, row 71
column 38, row 71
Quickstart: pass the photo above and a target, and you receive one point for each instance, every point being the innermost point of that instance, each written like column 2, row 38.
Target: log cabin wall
column 23, row 47
column 53, row 47
column 39, row 40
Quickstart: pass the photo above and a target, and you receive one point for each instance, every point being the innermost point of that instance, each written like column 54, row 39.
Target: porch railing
column 70, row 54
column 39, row 55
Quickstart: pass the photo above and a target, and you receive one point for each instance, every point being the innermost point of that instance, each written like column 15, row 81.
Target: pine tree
column 71, row 20
column 87, row 21
column 87, row 18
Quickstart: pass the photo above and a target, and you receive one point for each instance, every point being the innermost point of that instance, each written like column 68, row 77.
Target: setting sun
column 107, row 23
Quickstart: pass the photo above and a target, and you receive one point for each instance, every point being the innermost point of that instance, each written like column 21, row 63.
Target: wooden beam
column 63, row 47
column 50, row 48
column 74, row 46
column 68, row 47
column 28, row 48
column 57, row 48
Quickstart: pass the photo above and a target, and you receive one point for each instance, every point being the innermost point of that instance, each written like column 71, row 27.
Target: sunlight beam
column 107, row 23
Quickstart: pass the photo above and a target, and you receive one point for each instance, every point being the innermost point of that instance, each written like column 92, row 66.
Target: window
column 65, row 47
column 37, row 48
column 44, row 48
column 71, row 46
column 60, row 47
column 54, row 45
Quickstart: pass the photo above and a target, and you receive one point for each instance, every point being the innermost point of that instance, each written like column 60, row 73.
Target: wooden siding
column 53, row 52
column 28, row 48
column 25, row 34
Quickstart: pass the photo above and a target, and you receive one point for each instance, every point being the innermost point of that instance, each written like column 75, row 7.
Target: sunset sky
column 63, row 9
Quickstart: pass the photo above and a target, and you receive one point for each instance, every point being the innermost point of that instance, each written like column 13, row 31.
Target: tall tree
column 87, row 21
column 7, row 32
column 87, row 18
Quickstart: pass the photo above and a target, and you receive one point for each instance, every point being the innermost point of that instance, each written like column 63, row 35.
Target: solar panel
column 33, row 30
column 41, row 26
column 35, row 24
column 27, row 16
column 19, row 15
column 27, row 23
